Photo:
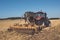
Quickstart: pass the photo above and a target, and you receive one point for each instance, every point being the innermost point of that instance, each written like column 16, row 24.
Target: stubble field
column 49, row 33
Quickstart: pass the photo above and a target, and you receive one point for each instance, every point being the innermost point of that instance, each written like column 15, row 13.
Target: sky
column 17, row 8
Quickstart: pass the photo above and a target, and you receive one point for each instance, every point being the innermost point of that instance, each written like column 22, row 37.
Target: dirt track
column 50, row 33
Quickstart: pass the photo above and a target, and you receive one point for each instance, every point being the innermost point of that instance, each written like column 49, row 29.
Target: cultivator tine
column 32, row 25
column 20, row 25
column 26, row 25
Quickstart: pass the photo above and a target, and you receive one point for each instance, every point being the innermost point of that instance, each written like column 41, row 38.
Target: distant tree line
column 53, row 18
column 14, row 18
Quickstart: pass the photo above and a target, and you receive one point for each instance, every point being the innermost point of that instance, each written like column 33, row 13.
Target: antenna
column 41, row 10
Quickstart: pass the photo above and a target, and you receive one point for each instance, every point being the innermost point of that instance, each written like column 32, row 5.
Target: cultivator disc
column 24, row 28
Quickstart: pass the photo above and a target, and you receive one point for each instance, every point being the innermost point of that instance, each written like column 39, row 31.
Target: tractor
column 37, row 18
column 34, row 20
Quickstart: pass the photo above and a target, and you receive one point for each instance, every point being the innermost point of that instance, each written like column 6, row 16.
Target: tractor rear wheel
column 47, row 23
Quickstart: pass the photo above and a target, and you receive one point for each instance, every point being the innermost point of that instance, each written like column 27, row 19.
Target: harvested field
column 49, row 33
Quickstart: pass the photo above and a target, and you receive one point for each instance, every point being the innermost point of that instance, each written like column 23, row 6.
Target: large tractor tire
column 47, row 23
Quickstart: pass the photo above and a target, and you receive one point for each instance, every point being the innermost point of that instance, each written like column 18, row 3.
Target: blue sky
column 16, row 8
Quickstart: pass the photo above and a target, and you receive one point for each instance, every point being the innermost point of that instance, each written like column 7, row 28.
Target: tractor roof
column 40, row 13
column 32, row 13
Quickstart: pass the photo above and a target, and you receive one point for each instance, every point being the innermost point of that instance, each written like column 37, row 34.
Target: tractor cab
column 39, row 15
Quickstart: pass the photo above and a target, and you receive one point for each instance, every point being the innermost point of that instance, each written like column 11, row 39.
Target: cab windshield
column 42, row 15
